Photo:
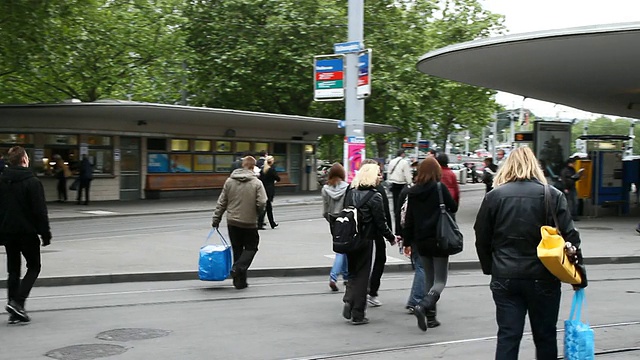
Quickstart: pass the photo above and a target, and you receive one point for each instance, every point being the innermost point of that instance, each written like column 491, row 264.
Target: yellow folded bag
column 551, row 252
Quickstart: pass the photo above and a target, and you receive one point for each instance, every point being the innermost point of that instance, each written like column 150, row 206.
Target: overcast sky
column 534, row 15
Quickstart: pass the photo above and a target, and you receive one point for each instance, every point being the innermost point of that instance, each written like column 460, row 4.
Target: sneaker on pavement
column 333, row 286
column 373, row 301
column 360, row 321
column 17, row 310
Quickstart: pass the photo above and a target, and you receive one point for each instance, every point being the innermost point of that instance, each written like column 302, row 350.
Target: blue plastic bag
column 215, row 260
column 579, row 343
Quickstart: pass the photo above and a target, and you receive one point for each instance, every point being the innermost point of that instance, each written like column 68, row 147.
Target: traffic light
column 486, row 144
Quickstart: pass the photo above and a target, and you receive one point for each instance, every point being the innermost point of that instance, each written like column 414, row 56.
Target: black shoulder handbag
column 448, row 235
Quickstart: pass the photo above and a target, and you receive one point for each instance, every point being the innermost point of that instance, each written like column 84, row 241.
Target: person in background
column 568, row 177
column 507, row 230
column 373, row 224
column 449, row 179
column 61, row 172
column 237, row 164
column 2, row 163
column 419, row 282
column 84, row 176
column 380, row 256
column 243, row 197
column 332, row 203
column 419, row 234
column 489, row 172
column 269, row 177
column 23, row 217
column 399, row 176
column 262, row 158
column 499, row 157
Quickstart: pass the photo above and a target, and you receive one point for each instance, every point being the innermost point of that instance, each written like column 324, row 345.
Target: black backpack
column 346, row 227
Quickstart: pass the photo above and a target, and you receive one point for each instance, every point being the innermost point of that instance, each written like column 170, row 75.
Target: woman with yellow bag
column 508, row 233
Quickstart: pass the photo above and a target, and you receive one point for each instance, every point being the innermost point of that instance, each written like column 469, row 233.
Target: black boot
column 431, row 318
column 429, row 301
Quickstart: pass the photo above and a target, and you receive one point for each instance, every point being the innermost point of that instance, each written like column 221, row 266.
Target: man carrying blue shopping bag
column 243, row 197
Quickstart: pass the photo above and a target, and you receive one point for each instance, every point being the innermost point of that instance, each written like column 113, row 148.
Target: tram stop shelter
column 147, row 150
column 592, row 68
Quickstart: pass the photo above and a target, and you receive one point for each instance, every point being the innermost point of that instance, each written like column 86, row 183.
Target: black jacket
column 373, row 216
column 22, row 203
column 86, row 170
column 421, row 219
column 269, row 180
column 508, row 229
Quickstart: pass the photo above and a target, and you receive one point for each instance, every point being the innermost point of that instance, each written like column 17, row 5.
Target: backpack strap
column 366, row 199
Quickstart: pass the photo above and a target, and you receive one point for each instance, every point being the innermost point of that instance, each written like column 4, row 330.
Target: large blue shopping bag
column 578, row 336
column 215, row 259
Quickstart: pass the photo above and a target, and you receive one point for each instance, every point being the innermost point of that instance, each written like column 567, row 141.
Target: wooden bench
column 158, row 183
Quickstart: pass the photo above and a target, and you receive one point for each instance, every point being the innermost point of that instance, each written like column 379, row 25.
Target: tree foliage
column 91, row 49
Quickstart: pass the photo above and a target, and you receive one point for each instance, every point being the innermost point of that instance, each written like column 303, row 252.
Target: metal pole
column 418, row 136
column 466, row 142
column 354, row 108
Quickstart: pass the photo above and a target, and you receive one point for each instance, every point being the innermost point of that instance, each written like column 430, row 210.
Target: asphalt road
column 294, row 318
column 101, row 229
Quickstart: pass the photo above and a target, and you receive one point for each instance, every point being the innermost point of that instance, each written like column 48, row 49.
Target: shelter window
column 155, row 144
column 179, row 145
column 203, row 163
column 223, row 146
column 180, row 163
column 242, row 146
column 100, row 152
column 202, row 146
column 16, row 139
column 157, row 163
column 280, row 156
column 59, row 144
column 259, row 146
column 224, row 163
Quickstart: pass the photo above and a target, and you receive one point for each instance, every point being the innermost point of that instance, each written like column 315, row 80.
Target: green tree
column 93, row 49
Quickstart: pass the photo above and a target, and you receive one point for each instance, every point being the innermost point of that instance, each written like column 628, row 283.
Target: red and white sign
column 334, row 75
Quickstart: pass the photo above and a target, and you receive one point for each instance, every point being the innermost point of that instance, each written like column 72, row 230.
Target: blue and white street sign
column 341, row 124
column 347, row 47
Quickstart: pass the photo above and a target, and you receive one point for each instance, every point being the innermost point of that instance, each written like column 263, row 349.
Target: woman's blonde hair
column 267, row 164
column 367, row 176
column 520, row 165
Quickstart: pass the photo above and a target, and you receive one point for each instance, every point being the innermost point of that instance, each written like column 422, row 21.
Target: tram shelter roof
column 147, row 113
column 592, row 68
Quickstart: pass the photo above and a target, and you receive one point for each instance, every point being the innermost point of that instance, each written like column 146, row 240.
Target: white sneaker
column 373, row 301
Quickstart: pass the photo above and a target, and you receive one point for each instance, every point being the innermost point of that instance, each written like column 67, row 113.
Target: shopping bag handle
column 576, row 305
column 222, row 239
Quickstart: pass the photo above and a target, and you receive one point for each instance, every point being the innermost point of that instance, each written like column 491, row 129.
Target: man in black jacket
column 23, row 216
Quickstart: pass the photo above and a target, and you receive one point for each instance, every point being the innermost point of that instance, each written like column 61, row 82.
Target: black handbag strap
column 440, row 197
column 547, row 206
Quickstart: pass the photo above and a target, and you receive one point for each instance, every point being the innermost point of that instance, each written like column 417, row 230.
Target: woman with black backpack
column 372, row 224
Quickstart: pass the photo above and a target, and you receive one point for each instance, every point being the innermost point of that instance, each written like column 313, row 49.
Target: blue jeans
column 339, row 267
column 513, row 299
column 418, row 287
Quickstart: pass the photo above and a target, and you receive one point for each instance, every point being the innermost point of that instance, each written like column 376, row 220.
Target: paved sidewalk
column 299, row 247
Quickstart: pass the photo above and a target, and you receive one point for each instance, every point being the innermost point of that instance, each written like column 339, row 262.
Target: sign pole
column 354, row 107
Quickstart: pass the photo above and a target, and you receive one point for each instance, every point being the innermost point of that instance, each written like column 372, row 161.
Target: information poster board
column 552, row 145
column 355, row 150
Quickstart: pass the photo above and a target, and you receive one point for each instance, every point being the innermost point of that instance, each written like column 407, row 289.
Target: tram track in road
column 424, row 346
column 122, row 226
column 318, row 291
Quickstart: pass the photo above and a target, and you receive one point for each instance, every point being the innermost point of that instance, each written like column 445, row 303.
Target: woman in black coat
column 269, row 177
column 507, row 232
column 374, row 224
column 419, row 233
